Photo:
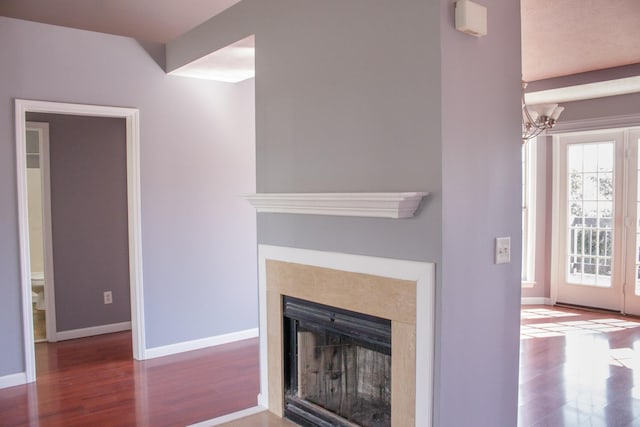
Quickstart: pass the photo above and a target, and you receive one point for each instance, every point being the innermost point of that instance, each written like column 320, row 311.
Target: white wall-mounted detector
column 471, row 18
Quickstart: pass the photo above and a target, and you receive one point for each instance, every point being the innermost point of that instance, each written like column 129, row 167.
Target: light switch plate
column 503, row 250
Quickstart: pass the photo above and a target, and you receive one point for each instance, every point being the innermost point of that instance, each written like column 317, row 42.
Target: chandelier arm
column 532, row 128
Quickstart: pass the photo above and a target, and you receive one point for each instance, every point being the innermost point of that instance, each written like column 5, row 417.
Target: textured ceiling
column 559, row 37
column 146, row 20
column 563, row 37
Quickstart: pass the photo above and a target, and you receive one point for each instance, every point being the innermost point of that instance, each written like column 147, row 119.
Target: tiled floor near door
column 578, row 368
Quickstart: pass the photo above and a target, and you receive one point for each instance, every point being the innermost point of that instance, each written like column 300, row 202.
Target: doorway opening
column 131, row 117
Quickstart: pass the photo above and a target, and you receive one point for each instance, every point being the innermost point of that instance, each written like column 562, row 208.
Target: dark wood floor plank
column 578, row 368
column 95, row 382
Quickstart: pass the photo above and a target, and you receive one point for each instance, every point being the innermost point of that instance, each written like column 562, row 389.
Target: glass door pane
column 590, row 213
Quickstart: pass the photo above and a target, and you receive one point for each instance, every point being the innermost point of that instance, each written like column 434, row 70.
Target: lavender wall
column 542, row 250
column 197, row 156
column 89, row 219
column 601, row 107
column 382, row 96
column 479, row 311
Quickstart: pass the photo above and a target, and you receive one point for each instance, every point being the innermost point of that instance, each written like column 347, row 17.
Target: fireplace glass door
column 338, row 366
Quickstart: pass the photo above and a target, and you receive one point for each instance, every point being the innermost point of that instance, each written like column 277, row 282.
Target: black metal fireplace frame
column 364, row 330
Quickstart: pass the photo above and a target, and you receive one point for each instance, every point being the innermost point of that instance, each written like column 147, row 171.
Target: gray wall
column 197, row 156
column 386, row 96
column 89, row 219
column 350, row 111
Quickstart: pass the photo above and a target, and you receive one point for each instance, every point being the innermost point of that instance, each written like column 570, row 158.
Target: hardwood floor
column 578, row 368
column 95, row 382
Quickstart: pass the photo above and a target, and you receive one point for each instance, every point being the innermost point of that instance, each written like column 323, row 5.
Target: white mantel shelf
column 373, row 205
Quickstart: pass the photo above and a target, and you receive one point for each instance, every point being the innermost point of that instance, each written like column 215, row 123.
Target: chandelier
column 537, row 118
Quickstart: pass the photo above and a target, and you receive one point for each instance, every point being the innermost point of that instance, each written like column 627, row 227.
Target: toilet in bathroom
column 37, row 290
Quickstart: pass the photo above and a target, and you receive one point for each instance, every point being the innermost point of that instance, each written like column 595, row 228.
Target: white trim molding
column 93, row 330
column 536, row 301
column 597, row 123
column 375, row 205
column 223, row 419
column 13, row 380
column 181, row 347
column 601, row 89
column 529, row 212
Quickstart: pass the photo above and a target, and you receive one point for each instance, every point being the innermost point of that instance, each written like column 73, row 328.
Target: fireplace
column 315, row 299
column 337, row 366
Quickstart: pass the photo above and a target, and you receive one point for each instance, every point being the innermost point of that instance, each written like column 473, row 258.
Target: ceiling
column 155, row 21
column 563, row 37
column 559, row 37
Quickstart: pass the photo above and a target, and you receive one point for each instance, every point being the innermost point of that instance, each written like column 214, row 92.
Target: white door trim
column 131, row 115
column 555, row 219
column 47, row 246
column 622, row 247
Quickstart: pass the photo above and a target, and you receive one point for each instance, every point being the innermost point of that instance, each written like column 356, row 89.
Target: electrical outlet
column 503, row 250
column 108, row 298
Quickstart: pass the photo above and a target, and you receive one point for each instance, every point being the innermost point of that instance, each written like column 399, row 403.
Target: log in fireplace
column 337, row 366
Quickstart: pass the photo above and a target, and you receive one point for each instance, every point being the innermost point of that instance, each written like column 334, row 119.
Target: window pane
column 575, row 185
column 590, row 160
column 575, row 158
column 605, row 186
column 605, row 158
column 590, row 213
column 590, row 186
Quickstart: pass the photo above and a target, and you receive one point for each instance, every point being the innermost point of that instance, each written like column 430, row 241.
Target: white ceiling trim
column 603, row 89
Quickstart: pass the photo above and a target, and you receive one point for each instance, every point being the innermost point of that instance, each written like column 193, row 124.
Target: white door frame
column 47, row 245
column 611, row 297
column 131, row 116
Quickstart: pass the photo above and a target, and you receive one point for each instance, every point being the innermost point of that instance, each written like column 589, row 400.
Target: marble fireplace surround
column 399, row 290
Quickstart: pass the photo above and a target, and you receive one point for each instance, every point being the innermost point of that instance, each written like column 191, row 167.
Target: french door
column 596, row 238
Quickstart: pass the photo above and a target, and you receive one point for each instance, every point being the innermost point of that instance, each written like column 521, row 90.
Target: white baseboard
column 13, row 380
column 230, row 417
column 536, row 301
column 94, row 330
column 262, row 401
column 167, row 350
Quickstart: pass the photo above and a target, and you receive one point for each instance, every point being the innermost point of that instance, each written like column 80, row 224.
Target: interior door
column 589, row 225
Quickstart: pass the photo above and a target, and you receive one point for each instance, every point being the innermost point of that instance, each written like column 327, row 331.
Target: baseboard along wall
column 167, row 350
column 230, row 417
column 13, row 380
column 94, row 330
column 536, row 301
